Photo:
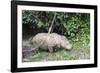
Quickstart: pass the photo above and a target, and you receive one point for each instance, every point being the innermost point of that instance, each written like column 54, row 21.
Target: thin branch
column 52, row 23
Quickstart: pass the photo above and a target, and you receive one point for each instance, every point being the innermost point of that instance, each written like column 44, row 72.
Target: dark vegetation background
column 75, row 26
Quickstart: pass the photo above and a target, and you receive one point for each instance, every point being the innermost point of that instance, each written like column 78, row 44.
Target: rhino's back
column 45, row 40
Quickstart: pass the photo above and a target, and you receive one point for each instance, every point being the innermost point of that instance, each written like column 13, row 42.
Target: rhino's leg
column 50, row 49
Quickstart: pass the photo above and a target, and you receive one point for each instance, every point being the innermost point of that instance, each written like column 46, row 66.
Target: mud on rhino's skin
column 47, row 41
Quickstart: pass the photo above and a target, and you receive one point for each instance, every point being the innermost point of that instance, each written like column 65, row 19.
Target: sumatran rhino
column 46, row 41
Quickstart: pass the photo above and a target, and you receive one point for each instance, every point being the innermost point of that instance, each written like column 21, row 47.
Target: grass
column 59, row 55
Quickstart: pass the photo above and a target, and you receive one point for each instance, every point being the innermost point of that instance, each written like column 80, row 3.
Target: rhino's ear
column 63, row 37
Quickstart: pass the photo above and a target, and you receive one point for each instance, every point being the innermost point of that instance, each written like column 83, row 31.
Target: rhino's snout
column 69, row 47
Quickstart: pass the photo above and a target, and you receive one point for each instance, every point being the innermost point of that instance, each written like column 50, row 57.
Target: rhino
column 50, row 41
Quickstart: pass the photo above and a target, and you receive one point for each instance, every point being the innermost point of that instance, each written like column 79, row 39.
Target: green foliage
column 28, row 20
column 68, row 23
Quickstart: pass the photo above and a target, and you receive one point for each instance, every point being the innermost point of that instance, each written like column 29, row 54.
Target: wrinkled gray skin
column 46, row 41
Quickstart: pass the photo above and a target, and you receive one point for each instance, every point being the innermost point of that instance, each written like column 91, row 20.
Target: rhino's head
column 65, row 43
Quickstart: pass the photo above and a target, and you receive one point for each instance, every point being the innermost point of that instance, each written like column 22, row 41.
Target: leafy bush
column 68, row 24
